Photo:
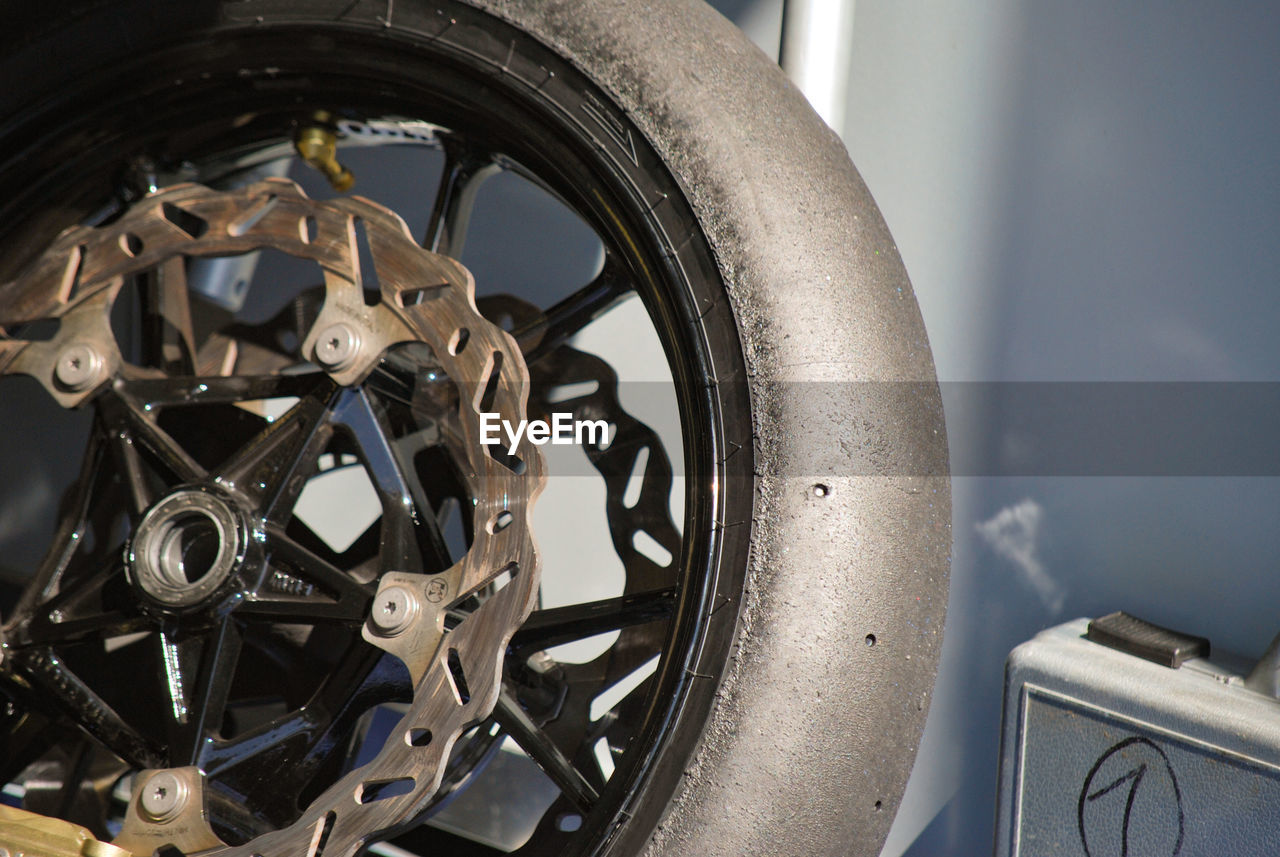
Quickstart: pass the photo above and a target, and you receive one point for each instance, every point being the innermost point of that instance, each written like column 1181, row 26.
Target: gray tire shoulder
column 815, row 731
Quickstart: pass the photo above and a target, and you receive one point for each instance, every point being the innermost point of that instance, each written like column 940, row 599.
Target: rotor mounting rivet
column 163, row 797
column 394, row 609
column 78, row 366
column 337, row 346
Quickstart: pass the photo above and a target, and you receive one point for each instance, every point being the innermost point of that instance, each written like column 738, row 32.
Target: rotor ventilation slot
column 37, row 331
column 366, row 268
column 491, row 385
column 512, row 462
column 421, row 294
column 459, row 341
column 323, row 828
column 131, row 244
column 71, row 274
column 375, row 790
column 453, row 527
column 242, row 225
column 458, row 678
column 308, row 229
column 193, row 225
column 489, row 587
column 418, row 737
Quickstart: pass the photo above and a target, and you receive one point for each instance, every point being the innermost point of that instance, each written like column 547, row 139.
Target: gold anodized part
column 318, row 146
column 34, row 835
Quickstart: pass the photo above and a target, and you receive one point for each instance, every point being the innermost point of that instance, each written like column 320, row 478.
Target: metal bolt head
column 394, row 609
column 78, row 366
column 163, row 797
column 337, row 346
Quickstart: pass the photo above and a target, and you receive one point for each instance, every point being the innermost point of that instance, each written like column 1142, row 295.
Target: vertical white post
column 816, row 50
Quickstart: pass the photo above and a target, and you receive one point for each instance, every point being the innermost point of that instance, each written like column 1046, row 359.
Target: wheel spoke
column 25, row 735
column 124, row 413
column 224, row 756
column 551, row 627
column 303, row 610
column 215, row 389
column 401, row 548
column 66, row 538
column 396, row 460
column 80, row 608
column 172, row 335
column 132, row 470
column 465, row 170
column 426, row 840
column 107, row 624
column 271, row 469
column 328, row 577
column 64, row 690
column 539, row 337
column 312, row 738
column 199, row 680
column 516, row 723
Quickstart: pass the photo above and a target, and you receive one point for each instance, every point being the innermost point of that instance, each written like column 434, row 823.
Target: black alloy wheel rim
column 487, row 122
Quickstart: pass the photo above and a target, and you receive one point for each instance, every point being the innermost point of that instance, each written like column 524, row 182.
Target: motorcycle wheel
column 797, row 621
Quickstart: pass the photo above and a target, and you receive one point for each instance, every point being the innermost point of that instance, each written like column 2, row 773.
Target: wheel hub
column 186, row 548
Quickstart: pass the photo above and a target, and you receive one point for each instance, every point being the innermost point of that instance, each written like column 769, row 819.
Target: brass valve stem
column 319, row 148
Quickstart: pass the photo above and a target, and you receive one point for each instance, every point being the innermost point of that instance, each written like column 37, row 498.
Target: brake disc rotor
column 221, row 515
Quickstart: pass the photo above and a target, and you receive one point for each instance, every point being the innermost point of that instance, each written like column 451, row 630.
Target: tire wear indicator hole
column 821, row 490
column 871, row 639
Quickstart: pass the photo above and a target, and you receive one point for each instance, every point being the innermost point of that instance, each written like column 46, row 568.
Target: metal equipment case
column 1106, row 753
